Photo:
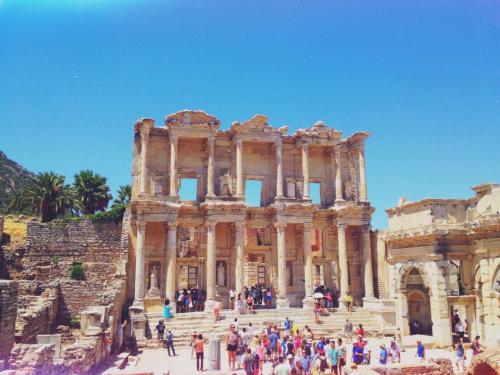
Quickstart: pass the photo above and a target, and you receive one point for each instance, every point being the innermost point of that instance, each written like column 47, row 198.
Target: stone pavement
column 158, row 362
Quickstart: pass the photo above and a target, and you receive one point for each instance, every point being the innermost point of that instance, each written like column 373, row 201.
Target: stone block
column 51, row 339
column 90, row 323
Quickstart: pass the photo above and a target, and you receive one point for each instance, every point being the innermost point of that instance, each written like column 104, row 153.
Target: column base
column 282, row 303
column 372, row 303
column 138, row 323
column 209, row 305
column 308, row 303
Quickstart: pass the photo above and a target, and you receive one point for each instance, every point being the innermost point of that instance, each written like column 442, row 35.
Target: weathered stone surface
column 8, row 311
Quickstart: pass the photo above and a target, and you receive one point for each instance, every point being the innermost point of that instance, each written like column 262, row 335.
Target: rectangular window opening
column 253, row 190
column 188, row 189
column 315, row 191
column 261, row 275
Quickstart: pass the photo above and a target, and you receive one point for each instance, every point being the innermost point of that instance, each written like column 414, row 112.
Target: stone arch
column 434, row 285
column 485, row 363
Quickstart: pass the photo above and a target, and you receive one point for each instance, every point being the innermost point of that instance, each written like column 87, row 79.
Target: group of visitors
column 250, row 298
column 190, row 300
column 292, row 349
column 459, row 328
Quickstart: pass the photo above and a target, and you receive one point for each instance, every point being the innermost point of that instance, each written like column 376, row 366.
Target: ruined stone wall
column 79, row 358
column 53, row 248
column 8, row 311
column 36, row 315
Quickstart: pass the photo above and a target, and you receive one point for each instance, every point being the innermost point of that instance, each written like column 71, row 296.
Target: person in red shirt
column 199, row 349
column 361, row 331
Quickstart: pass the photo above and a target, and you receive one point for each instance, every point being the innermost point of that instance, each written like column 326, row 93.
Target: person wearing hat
column 394, row 352
column 382, row 358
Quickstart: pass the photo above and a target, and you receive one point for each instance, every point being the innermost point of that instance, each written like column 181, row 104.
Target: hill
column 13, row 177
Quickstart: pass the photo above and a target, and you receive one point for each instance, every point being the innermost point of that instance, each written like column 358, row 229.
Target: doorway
column 419, row 307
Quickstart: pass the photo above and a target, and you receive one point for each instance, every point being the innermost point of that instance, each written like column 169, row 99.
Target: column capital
column 144, row 134
column 280, row 226
column 211, row 225
column 366, row 228
column 173, row 137
column 141, row 225
column 211, row 141
column 341, row 227
column 308, row 227
column 238, row 142
column 171, row 225
column 305, row 147
column 239, row 224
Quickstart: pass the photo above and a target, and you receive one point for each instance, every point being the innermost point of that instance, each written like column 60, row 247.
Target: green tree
column 124, row 194
column 47, row 195
column 92, row 192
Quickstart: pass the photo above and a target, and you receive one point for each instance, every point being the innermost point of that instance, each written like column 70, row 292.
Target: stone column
column 239, row 168
column 305, row 171
column 339, row 196
column 173, row 165
column 210, row 168
column 279, row 171
column 282, row 298
column 140, row 246
column 362, row 176
column 144, row 160
column 211, row 271
column 171, row 261
column 367, row 259
column 239, row 284
column 344, row 267
column 308, row 301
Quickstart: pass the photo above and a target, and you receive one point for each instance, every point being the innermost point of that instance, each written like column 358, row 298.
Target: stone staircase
column 182, row 325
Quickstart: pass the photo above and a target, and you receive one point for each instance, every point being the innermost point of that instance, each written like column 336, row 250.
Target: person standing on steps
column 160, row 329
column 348, row 302
column 169, row 342
column 348, row 328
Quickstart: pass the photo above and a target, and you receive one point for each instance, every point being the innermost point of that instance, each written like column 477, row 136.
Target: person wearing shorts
column 232, row 346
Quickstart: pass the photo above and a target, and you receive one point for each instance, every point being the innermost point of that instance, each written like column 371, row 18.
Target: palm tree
column 92, row 192
column 124, row 195
column 47, row 195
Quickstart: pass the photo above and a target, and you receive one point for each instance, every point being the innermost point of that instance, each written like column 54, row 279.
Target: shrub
column 74, row 322
column 115, row 214
column 54, row 260
column 77, row 272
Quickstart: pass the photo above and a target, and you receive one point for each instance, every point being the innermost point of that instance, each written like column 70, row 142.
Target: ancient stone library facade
column 217, row 242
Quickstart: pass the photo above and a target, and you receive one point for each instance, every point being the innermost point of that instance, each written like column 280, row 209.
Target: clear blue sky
column 422, row 76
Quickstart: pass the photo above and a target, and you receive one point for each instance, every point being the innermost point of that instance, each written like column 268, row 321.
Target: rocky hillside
column 13, row 177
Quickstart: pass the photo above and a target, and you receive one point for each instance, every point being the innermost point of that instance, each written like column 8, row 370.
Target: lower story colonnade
column 214, row 257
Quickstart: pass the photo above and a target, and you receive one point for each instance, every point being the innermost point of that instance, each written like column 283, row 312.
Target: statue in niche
column 153, row 291
column 184, row 249
column 349, row 190
column 225, row 183
column 221, row 274
column 289, row 277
